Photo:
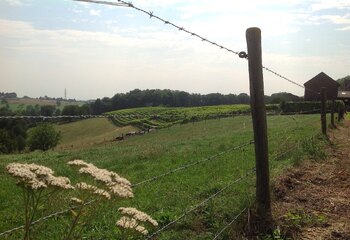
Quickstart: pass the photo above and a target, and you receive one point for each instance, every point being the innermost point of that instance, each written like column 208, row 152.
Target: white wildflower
column 36, row 184
column 76, row 200
column 36, row 176
column 20, row 171
column 119, row 179
column 123, row 191
column 130, row 223
column 126, row 222
column 61, row 182
column 138, row 215
column 98, row 174
column 40, row 170
column 93, row 189
column 116, row 184
column 141, row 230
column 102, row 193
column 85, row 186
column 78, row 162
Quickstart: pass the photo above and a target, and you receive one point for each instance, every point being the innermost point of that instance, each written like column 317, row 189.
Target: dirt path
column 313, row 201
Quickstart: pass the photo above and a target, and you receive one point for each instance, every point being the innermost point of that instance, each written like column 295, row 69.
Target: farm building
column 315, row 84
column 344, row 96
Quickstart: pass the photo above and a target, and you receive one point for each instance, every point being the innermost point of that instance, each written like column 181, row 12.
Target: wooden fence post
column 332, row 113
column 257, row 103
column 323, row 111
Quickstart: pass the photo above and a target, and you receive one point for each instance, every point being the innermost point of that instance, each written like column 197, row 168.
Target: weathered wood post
column 332, row 113
column 257, row 103
column 323, row 111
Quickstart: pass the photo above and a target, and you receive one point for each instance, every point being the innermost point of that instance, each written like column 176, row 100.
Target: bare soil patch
column 312, row 201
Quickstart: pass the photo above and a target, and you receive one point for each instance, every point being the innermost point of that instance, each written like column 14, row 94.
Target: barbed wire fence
column 241, row 54
column 151, row 14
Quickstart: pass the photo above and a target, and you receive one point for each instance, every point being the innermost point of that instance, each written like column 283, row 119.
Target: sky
column 96, row 50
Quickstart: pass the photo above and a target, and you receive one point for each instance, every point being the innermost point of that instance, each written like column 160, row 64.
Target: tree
column 47, row 110
column 33, row 110
column 12, row 135
column 344, row 83
column 7, row 143
column 71, row 110
column 43, row 137
column 243, row 98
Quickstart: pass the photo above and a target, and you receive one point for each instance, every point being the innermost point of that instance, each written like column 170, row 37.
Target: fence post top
column 253, row 29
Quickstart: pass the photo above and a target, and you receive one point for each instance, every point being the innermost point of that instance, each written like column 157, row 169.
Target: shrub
column 43, row 137
column 290, row 107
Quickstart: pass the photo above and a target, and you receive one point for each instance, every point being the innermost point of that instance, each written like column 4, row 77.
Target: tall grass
column 142, row 157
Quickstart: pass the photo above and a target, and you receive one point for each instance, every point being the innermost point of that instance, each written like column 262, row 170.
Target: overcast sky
column 97, row 50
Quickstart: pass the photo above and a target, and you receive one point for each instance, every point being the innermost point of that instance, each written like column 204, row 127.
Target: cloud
column 337, row 19
column 139, row 52
column 344, row 28
column 94, row 12
column 330, row 4
column 15, row 2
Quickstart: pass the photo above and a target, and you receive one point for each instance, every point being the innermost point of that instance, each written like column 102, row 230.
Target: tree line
column 143, row 98
column 171, row 98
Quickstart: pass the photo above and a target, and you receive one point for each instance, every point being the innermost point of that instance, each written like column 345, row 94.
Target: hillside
column 213, row 144
column 17, row 104
column 162, row 117
column 90, row 132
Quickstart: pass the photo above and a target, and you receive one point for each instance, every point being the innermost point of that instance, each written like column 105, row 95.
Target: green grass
column 162, row 117
column 89, row 132
column 20, row 104
column 142, row 157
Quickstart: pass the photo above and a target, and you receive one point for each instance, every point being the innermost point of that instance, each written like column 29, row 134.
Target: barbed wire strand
column 272, row 113
column 238, row 215
column 55, row 214
column 199, row 205
column 191, row 164
column 289, row 80
column 118, row 116
column 136, row 185
column 152, row 15
column 230, row 223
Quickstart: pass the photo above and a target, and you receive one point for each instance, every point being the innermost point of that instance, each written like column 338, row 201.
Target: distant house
column 345, row 96
column 315, row 84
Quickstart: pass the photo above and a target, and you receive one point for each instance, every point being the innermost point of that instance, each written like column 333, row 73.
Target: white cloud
column 318, row 5
column 344, row 28
column 337, row 19
column 15, row 2
column 142, row 53
column 94, row 12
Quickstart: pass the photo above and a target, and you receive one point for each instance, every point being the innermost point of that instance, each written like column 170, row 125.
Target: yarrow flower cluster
column 138, row 215
column 93, row 189
column 134, row 218
column 117, row 185
column 36, row 176
column 77, row 200
column 130, row 223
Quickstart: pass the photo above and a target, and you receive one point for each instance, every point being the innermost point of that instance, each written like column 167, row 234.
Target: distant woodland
column 151, row 98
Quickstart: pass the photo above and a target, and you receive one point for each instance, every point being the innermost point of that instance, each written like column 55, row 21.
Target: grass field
column 162, row 117
column 141, row 157
column 90, row 132
column 20, row 104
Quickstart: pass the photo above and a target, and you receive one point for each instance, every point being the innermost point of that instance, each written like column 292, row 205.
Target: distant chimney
column 65, row 94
